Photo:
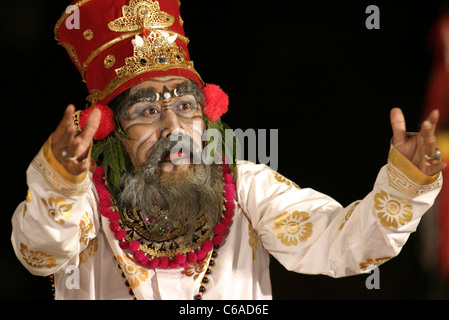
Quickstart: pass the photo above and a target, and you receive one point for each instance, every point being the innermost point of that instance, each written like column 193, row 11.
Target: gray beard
column 175, row 202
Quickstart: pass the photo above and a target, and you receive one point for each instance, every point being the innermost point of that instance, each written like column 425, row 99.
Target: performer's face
column 151, row 113
column 154, row 110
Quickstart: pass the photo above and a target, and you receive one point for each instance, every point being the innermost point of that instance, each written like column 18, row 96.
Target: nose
column 170, row 124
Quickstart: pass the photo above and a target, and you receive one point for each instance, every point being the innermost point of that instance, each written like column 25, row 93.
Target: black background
column 311, row 70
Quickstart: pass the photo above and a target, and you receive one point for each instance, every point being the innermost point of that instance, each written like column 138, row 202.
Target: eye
column 150, row 111
column 185, row 106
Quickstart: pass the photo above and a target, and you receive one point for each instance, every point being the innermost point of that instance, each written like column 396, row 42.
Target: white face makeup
column 156, row 109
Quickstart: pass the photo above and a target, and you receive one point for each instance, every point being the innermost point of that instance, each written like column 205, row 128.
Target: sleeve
column 57, row 219
column 309, row 232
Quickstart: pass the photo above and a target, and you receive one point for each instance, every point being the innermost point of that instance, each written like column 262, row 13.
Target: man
column 149, row 221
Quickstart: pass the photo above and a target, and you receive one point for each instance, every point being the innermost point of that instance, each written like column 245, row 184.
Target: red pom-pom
column 163, row 262
column 107, row 124
column 134, row 245
column 207, row 245
column 217, row 240
column 153, row 264
column 113, row 216
column 226, row 221
column 229, row 187
column 144, row 261
column 105, row 212
column 229, row 213
column 124, row 245
column 228, row 178
column 120, row 234
column 104, row 197
column 201, row 254
column 139, row 255
column 114, row 226
column 98, row 175
column 180, row 258
column 184, row 264
column 226, row 168
column 230, row 195
column 230, row 205
column 216, row 102
column 192, row 257
column 173, row 264
column 220, row 229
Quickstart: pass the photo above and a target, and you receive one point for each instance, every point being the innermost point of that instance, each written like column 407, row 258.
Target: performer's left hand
column 415, row 147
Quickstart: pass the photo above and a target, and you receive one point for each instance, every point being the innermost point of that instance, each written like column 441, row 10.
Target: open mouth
column 177, row 157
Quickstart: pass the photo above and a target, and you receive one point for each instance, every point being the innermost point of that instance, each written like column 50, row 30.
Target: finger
column 429, row 140
column 91, row 125
column 66, row 129
column 427, row 132
column 435, row 168
column 81, row 144
column 398, row 126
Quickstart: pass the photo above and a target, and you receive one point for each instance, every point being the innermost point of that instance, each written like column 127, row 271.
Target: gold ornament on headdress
column 138, row 14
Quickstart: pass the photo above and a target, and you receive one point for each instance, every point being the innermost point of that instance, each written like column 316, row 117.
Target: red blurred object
column 438, row 98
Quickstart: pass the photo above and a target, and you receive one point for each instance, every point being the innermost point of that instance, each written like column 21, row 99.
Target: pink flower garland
column 180, row 260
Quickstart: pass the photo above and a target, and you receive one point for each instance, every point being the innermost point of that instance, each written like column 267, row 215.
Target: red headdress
column 117, row 44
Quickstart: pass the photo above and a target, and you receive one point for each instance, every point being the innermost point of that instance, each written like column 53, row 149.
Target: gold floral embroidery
column 195, row 269
column 293, row 227
column 37, row 259
column 348, row 215
column 392, row 210
column 86, row 226
column 283, row 179
column 134, row 274
column 253, row 240
column 58, row 209
column 90, row 251
column 29, row 198
column 371, row 264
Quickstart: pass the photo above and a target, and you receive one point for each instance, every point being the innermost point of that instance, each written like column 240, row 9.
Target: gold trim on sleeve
column 52, row 177
column 409, row 169
column 55, row 165
column 406, row 178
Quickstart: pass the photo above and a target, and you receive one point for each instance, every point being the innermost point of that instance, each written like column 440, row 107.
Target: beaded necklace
column 180, row 260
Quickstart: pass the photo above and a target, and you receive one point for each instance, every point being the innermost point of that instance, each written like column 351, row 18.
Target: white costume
column 58, row 230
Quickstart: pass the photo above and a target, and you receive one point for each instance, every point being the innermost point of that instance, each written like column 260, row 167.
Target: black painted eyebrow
column 187, row 87
column 140, row 95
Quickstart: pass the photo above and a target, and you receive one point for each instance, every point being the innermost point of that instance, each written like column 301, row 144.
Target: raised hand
column 72, row 149
column 417, row 146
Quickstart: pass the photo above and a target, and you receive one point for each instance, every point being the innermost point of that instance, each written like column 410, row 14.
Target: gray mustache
column 164, row 147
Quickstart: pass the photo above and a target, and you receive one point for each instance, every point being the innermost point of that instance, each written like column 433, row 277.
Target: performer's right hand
column 71, row 149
